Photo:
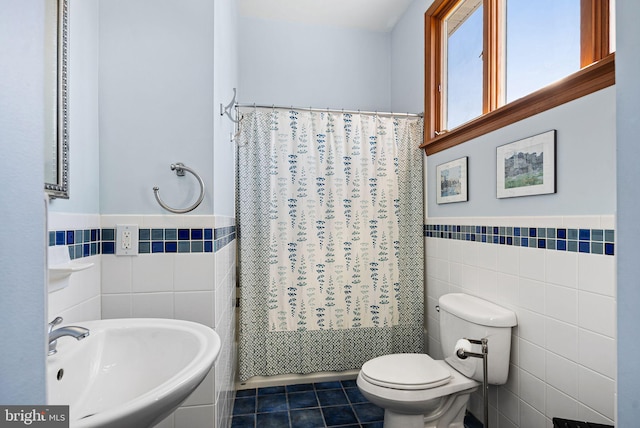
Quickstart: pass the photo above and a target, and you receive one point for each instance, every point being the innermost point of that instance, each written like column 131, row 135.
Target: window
column 542, row 44
column 463, row 66
column 490, row 63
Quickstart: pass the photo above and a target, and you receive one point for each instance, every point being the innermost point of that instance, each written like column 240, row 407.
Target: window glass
column 612, row 26
column 543, row 44
column 463, row 87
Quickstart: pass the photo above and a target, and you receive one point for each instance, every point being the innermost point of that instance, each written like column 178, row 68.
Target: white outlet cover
column 131, row 249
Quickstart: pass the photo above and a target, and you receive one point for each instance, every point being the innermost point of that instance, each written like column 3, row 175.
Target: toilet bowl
column 416, row 391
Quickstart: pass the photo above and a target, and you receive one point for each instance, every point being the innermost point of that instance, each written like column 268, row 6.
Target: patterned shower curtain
column 330, row 214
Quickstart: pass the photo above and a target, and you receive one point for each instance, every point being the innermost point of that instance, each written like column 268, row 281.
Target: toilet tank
column 463, row 316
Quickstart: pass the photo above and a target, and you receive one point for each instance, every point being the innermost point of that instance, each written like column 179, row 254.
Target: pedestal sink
column 129, row 373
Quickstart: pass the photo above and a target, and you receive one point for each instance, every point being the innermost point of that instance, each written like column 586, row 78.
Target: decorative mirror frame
column 60, row 189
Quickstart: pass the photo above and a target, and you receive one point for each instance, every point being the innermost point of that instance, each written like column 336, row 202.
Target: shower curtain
column 330, row 214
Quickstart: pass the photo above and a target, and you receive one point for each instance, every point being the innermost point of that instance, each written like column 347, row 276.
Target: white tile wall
column 80, row 300
column 563, row 358
column 194, row 416
column 197, row 287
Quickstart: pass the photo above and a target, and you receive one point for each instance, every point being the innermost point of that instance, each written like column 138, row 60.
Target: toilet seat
column 405, row 371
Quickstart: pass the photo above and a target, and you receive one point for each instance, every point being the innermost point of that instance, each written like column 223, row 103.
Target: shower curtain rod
column 329, row 110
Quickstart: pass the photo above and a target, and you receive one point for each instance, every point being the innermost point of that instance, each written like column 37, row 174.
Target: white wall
column 585, row 163
column 80, row 300
column 628, row 177
column 225, row 78
column 22, row 237
column 156, row 103
column 303, row 65
column 563, row 353
column 556, row 295
column 407, row 60
column 147, row 79
column 165, row 67
column 198, row 287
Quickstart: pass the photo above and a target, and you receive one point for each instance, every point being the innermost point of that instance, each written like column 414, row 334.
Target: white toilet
column 417, row 391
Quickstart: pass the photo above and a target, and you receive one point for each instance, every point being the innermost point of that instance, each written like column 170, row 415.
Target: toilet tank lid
column 477, row 310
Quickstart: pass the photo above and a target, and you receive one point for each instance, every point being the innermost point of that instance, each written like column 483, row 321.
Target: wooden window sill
column 590, row 79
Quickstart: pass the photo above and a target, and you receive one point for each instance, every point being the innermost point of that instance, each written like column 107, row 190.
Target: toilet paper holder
column 464, row 354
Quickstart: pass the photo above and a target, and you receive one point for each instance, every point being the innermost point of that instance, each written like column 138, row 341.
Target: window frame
column 597, row 72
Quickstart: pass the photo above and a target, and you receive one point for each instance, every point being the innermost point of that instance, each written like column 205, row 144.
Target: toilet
column 417, row 391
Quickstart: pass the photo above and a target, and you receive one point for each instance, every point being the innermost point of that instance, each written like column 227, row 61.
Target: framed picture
column 451, row 180
column 527, row 167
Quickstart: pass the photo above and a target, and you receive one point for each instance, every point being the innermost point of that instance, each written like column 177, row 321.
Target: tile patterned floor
column 311, row 405
column 471, row 421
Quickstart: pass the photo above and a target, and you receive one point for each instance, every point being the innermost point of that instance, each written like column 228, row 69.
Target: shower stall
column 330, row 215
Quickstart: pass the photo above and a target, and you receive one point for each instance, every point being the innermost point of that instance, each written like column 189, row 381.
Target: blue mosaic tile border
column 171, row 240
column 223, row 236
column 90, row 242
column 593, row 241
column 81, row 243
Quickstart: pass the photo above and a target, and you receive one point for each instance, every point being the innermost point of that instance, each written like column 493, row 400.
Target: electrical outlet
column 126, row 240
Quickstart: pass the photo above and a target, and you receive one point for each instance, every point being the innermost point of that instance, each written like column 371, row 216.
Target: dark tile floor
column 311, row 405
column 471, row 421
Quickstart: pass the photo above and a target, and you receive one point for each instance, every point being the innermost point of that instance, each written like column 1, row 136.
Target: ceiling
column 374, row 15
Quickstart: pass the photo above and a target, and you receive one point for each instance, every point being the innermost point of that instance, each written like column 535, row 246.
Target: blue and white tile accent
column 80, row 235
column 557, row 273
column 582, row 240
column 195, row 285
column 81, row 242
column 91, row 242
column 170, row 240
column 223, row 236
column 185, row 269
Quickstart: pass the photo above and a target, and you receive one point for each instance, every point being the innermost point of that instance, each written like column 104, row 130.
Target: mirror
column 56, row 148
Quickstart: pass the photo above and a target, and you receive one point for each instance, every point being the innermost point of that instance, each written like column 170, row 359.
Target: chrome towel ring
column 180, row 168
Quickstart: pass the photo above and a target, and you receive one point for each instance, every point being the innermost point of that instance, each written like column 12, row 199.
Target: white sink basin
column 129, row 372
